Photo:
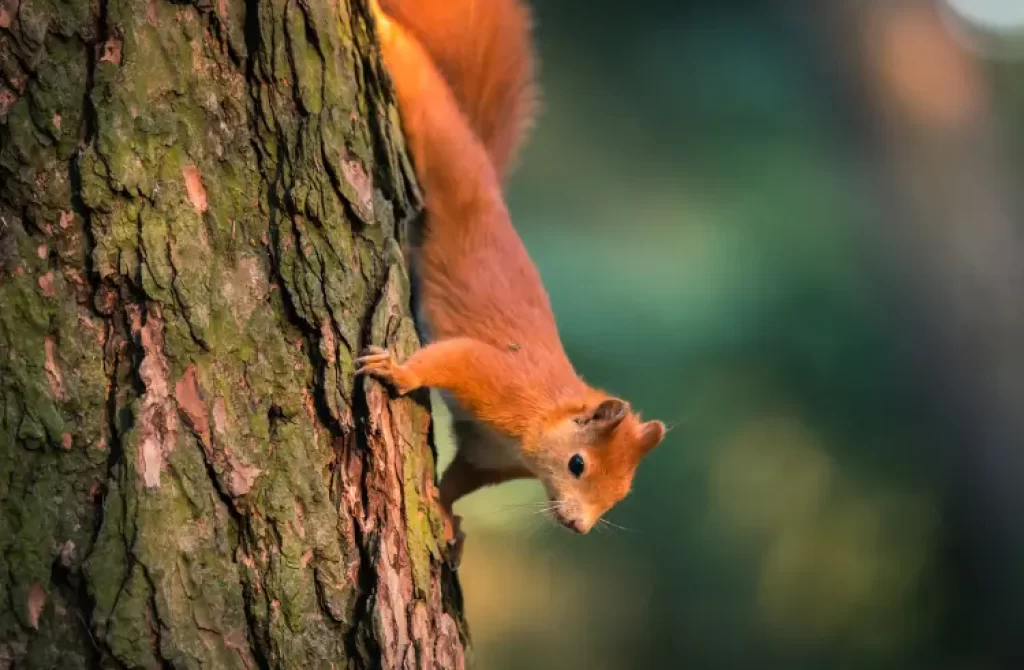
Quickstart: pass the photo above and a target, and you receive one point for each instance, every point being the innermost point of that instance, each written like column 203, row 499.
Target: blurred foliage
column 692, row 201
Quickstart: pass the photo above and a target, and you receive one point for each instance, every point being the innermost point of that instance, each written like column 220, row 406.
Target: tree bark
column 201, row 210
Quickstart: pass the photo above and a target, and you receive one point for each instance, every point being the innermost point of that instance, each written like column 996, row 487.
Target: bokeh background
column 788, row 229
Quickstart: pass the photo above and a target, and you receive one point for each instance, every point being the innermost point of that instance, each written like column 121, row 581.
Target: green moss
column 25, row 144
column 149, row 72
column 25, row 322
column 107, row 565
column 157, row 273
column 67, row 20
column 26, row 311
column 176, row 99
column 129, row 633
column 94, row 189
column 422, row 530
column 425, row 525
column 34, row 521
column 57, row 94
column 193, row 262
column 306, row 60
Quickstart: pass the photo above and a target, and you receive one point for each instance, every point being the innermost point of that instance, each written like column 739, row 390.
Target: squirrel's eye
column 576, row 465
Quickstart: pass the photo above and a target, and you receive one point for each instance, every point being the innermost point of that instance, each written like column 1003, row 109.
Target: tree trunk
column 200, row 226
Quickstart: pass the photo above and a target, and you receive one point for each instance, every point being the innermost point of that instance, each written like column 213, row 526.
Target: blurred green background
column 695, row 195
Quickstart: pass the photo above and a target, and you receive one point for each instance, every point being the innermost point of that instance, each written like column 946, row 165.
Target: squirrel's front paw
column 455, row 539
column 379, row 363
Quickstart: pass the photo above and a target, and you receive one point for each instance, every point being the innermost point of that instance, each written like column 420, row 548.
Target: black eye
column 576, row 465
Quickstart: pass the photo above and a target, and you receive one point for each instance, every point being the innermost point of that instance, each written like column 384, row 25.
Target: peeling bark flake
column 150, row 461
column 35, row 605
column 327, row 343
column 361, row 182
column 420, row 631
column 7, row 99
column 448, row 645
column 300, row 516
column 236, row 641
column 111, row 51
column 53, row 373
column 241, row 477
column 191, row 404
column 194, row 187
column 67, row 554
column 46, row 285
column 220, row 416
column 158, row 420
column 392, row 624
column 183, row 350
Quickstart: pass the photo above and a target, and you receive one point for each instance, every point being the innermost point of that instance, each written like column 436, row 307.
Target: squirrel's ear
column 651, row 435
column 605, row 416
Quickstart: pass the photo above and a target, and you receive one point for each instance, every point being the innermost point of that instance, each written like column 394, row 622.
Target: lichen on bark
column 201, row 210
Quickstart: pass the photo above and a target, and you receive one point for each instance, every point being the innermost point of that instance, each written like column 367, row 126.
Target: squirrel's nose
column 572, row 524
column 577, row 525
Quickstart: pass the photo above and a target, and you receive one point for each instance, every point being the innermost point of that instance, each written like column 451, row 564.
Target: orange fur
column 496, row 347
column 482, row 50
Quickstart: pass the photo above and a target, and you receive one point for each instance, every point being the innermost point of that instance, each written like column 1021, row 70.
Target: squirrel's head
column 586, row 457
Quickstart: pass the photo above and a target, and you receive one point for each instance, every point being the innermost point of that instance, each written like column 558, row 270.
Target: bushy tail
column 483, row 50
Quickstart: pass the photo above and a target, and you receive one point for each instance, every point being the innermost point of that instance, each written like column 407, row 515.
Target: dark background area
column 788, row 230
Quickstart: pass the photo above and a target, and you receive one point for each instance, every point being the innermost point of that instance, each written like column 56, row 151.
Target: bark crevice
column 198, row 236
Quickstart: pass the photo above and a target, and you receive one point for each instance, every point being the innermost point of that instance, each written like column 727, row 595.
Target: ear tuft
column 651, row 435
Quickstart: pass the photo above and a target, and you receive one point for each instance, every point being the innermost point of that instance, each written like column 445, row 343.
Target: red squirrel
column 463, row 75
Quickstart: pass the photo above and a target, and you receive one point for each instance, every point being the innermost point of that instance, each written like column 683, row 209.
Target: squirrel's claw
column 374, row 359
column 455, row 540
column 380, row 364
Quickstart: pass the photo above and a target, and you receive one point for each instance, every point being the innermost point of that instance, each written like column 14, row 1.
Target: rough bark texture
column 199, row 229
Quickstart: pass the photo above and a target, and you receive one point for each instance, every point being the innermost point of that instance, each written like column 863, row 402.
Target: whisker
column 528, row 503
column 616, row 526
column 549, row 508
column 669, row 427
column 536, row 524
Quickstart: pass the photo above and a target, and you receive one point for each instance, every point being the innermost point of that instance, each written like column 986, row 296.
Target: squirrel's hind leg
column 463, row 477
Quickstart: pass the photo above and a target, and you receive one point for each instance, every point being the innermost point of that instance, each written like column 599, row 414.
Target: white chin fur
column 490, row 451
